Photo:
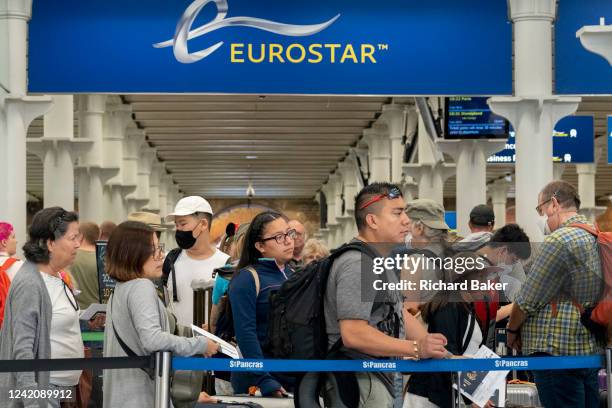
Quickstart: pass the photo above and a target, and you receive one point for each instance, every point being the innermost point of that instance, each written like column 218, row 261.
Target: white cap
column 189, row 205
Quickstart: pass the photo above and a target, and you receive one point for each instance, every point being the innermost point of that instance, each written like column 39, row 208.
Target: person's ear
column 3, row 243
column 260, row 247
column 371, row 221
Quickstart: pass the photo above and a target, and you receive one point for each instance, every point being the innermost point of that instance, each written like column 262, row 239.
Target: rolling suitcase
column 523, row 395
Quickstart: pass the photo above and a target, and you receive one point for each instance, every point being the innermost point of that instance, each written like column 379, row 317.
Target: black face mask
column 184, row 239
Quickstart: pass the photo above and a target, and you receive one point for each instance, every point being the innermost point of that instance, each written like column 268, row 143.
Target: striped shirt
column 566, row 268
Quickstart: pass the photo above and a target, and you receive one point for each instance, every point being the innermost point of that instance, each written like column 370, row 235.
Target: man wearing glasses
column 299, row 241
column 368, row 323
column 565, row 277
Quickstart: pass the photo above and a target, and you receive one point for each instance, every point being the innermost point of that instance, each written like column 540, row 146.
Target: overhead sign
column 406, row 47
column 468, row 117
column 573, row 142
column 579, row 71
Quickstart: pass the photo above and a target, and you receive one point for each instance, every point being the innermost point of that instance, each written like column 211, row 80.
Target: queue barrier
column 163, row 363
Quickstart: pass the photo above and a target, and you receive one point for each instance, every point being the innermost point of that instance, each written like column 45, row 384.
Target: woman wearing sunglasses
column 136, row 322
column 263, row 267
column 41, row 314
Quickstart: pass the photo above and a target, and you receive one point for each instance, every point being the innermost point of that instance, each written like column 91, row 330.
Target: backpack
column 296, row 325
column 596, row 319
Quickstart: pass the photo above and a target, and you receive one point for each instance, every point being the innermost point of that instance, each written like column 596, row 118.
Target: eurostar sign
column 401, row 47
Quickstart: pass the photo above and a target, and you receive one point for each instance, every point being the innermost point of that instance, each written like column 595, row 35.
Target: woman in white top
column 42, row 318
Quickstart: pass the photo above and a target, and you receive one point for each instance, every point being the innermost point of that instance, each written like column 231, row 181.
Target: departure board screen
column 471, row 118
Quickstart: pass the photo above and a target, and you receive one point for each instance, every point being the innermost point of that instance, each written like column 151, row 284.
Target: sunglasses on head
column 391, row 195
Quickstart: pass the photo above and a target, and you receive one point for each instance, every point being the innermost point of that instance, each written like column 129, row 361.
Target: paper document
column 482, row 386
column 226, row 348
column 92, row 310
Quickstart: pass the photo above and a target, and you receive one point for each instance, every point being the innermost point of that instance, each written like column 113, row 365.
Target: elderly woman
column 41, row 313
column 314, row 249
column 136, row 322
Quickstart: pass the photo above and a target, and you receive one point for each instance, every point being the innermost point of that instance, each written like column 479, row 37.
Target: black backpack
column 296, row 326
column 168, row 268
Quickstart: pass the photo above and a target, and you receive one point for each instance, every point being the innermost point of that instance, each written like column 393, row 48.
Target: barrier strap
column 63, row 364
column 449, row 365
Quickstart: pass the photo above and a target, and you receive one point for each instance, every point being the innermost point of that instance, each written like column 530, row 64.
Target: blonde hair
column 316, row 248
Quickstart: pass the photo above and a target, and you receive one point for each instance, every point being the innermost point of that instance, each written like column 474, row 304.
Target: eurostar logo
column 184, row 32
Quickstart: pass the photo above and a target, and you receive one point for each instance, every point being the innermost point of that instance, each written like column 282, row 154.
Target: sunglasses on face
column 391, row 195
column 282, row 237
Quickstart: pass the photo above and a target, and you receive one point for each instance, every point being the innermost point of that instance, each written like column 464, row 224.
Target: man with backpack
column 363, row 324
column 565, row 278
column 195, row 259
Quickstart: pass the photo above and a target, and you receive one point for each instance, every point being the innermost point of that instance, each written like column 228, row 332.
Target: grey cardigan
column 140, row 320
column 25, row 334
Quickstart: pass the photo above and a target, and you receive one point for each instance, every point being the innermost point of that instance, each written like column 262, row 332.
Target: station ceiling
column 286, row 146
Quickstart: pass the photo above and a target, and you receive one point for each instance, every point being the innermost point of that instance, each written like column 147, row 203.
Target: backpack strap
column 7, row 264
column 470, row 331
column 554, row 304
column 255, row 278
column 168, row 269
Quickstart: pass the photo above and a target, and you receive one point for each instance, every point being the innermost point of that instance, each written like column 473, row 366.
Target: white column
column 91, row 170
column 142, row 193
column 133, row 141
column 164, row 182
column 154, row 179
column 17, row 111
column 586, row 183
column 394, row 116
column 58, row 149
column 379, row 150
column 498, row 190
column 471, row 163
column 329, row 189
column 117, row 119
column 352, row 184
column 534, row 110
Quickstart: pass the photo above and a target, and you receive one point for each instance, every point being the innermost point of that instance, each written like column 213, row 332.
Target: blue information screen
column 470, row 117
column 573, row 142
column 450, row 217
column 609, row 139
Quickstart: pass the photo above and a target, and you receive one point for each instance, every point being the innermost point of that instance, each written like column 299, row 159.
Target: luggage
column 523, row 394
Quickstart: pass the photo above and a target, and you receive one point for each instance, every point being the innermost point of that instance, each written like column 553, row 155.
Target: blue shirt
column 250, row 313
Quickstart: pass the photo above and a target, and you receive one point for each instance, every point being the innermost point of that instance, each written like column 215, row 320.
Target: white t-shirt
column 187, row 271
column 66, row 341
column 13, row 269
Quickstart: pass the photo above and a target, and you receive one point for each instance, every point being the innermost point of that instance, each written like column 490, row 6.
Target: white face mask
column 543, row 225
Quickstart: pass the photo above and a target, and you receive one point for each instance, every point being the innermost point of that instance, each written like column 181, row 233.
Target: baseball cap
column 482, row 215
column 190, row 205
column 151, row 219
column 428, row 212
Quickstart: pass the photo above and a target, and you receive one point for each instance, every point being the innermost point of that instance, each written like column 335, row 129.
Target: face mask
column 543, row 225
column 184, row 239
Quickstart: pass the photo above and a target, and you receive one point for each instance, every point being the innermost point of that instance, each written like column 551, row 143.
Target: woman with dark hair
column 41, row 313
column 263, row 267
column 450, row 312
column 136, row 322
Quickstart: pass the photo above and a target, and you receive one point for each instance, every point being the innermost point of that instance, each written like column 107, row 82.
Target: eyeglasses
column 71, row 297
column 539, row 206
column 280, row 238
column 158, row 252
column 391, row 195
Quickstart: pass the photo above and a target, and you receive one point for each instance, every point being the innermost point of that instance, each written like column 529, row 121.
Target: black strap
column 174, row 288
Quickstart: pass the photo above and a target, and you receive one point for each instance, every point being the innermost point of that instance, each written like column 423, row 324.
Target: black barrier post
column 163, row 363
column 609, row 375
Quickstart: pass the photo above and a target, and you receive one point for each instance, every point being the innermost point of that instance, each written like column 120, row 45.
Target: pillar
column 351, row 181
column 147, row 157
column 134, row 139
column 471, row 166
column 498, row 190
column 154, row 179
column 17, row 111
column 394, row 116
column 58, row 150
column 329, row 189
column 379, row 151
column 533, row 110
column 92, row 170
column 118, row 116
